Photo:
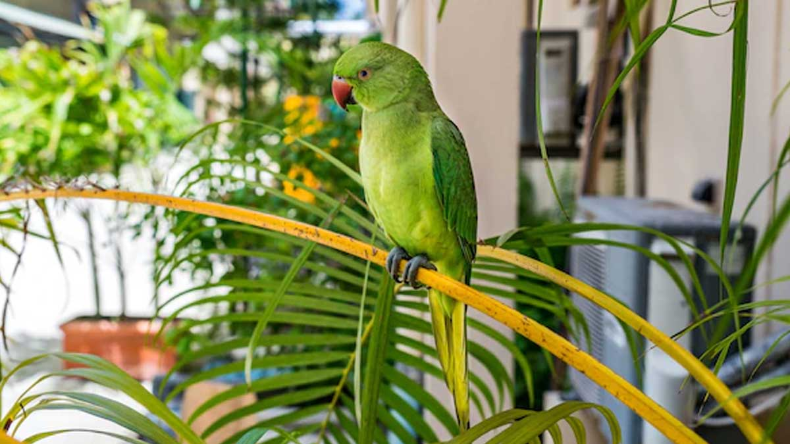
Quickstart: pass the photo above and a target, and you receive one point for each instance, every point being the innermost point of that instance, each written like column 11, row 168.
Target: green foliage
column 737, row 111
column 76, row 110
column 297, row 265
column 376, row 360
column 286, row 85
column 525, row 426
column 101, row 372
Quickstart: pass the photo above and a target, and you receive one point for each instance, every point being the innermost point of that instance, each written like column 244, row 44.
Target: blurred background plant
column 280, row 78
column 92, row 107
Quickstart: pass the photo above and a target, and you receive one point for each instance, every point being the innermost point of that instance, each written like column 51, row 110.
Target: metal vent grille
column 588, row 263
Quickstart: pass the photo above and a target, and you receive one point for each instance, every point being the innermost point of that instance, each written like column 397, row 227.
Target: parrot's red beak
column 342, row 92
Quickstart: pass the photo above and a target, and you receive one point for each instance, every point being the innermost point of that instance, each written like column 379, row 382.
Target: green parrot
column 419, row 186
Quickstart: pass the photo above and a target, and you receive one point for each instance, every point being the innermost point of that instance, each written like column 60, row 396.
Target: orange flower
column 291, row 117
column 292, row 102
column 308, row 117
column 307, row 178
column 309, row 130
column 302, row 116
column 334, row 142
column 312, row 101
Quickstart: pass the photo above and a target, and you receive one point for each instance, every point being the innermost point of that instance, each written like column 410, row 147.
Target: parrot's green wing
column 455, row 187
column 455, row 184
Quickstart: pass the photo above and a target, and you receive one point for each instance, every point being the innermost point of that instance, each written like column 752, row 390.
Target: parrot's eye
column 363, row 74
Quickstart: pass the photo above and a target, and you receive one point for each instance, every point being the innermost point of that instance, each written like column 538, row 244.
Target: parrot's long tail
column 449, row 329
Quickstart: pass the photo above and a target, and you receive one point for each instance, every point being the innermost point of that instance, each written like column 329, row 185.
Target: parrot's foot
column 413, row 266
column 396, row 255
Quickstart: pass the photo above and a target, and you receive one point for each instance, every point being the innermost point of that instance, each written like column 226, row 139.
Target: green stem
column 86, row 216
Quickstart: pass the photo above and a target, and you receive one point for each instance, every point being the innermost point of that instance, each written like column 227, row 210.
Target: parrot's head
column 376, row 75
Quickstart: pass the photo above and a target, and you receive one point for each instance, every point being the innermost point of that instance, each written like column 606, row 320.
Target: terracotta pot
column 127, row 343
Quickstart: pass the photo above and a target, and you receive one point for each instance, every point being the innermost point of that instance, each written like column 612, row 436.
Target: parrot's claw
column 396, row 255
column 413, row 266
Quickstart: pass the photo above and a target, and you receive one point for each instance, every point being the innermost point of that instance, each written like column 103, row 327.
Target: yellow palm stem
column 5, row 439
column 537, row 333
column 699, row 371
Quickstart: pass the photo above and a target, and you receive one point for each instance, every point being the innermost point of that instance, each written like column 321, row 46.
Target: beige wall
column 475, row 65
column 688, row 114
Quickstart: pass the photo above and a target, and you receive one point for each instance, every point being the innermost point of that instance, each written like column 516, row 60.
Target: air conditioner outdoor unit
column 647, row 289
